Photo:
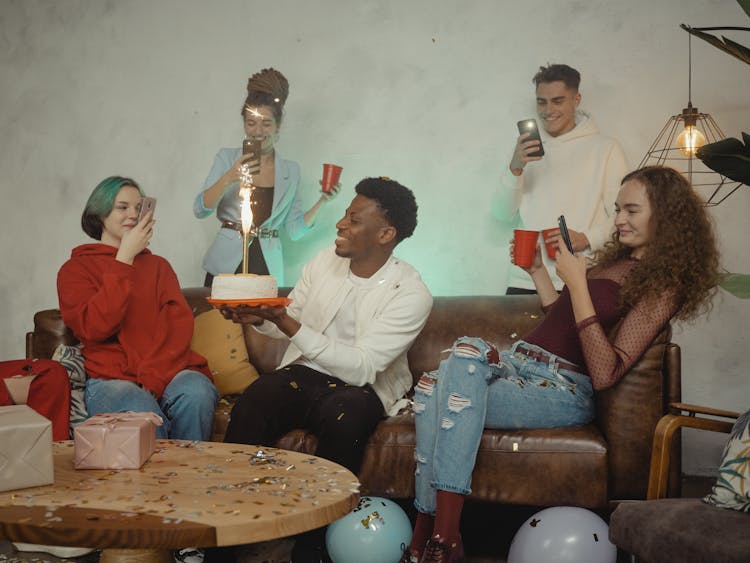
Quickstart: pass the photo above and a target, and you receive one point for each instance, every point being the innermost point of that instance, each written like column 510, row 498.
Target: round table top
column 187, row 493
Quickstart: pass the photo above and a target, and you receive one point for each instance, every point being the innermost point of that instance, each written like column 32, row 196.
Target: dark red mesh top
column 587, row 344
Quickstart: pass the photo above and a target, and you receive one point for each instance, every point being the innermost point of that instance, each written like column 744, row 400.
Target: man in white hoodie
column 578, row 176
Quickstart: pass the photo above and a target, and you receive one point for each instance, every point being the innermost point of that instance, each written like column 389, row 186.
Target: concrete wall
column 425, row 92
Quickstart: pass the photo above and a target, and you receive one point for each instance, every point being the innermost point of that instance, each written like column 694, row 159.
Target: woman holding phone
column 652, row 270
column 125, row 306
column 276, row 199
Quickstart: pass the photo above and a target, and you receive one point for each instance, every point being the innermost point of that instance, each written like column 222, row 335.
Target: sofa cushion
column 540, row 467
column 544, row 467
column 732, row 488
column 680, row 529
column 72, row 360
column 222, row 343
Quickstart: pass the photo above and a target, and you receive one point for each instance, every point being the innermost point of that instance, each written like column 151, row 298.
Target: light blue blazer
column 225, row 253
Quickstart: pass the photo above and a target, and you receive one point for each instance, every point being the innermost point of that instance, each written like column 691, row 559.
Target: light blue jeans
column 479, row 387
column 186, row 406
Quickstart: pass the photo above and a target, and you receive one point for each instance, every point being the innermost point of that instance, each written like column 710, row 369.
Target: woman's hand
column 540, row 276
column 571, row 267
column 246, row 165
column 536, row 264
column 325, row 197
column 136, row 239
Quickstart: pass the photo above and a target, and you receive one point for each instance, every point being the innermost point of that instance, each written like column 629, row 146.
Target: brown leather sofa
column 586, row 466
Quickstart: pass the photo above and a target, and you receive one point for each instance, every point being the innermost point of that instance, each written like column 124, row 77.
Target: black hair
column 395, row 201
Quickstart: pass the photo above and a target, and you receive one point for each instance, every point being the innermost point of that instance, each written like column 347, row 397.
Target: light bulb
column 690, row 140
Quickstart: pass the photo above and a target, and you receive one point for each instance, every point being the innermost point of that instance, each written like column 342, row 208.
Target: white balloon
column 563, row 534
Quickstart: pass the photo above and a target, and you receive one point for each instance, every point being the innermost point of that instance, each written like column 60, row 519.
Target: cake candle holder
column 246, row 213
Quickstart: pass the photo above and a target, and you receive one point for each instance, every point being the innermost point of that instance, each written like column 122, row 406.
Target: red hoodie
column 133, row 321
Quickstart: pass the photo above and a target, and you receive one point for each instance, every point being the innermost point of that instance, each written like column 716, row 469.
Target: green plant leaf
column 739, row 51
column 728, row 46
column 729, row 157
column 736, row 284
column 745, row 4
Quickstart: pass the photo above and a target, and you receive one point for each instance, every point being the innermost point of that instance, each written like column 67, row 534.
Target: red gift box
column 122, row 440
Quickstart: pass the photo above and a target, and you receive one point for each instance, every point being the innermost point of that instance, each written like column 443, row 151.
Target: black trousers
column 341, row 416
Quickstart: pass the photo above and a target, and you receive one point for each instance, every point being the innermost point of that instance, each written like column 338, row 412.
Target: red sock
column 448, row 515
column 422, row 532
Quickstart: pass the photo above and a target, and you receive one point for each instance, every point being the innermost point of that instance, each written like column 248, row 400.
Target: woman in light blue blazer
column 276, row 199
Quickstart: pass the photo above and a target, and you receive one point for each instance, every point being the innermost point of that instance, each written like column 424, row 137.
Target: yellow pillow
column 222, row 343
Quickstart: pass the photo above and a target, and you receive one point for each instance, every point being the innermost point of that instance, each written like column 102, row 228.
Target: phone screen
column 564, row 232
column 251, row 147
column 251, row 150
column 147, row 204
column 529, row 126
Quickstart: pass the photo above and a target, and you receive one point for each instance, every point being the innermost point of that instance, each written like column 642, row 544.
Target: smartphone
column 147, row 204
column 529, row 126
column 564, row 232
column 251, row 149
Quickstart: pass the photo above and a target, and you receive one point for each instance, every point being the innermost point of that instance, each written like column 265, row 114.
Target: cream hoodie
column 579, row 177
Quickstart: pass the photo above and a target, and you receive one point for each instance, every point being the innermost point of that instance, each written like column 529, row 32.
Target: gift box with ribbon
column 25, row 448
column 123, row 440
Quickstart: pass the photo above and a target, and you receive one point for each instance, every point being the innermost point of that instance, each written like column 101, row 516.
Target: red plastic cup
column 331, row 174
column 550, row 246
column 524, row 247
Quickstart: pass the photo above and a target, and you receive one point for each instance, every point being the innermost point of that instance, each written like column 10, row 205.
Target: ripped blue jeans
column 479, row 387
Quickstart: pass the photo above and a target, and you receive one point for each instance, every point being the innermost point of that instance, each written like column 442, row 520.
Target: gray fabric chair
column 684, row 530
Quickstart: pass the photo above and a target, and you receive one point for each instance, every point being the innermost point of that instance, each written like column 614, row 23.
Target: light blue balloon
column 563, row 534
column 374, row 532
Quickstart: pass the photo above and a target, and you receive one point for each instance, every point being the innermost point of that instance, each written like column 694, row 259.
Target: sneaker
column 189, row 555
column 409, row 556
column 57, row 550
column 438, row 550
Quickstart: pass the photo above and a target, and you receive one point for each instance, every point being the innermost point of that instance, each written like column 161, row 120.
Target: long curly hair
column 681, row 256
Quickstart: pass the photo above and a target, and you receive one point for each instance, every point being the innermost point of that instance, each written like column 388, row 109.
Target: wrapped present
column 25, row 448
column 123, row 440
column 18, row 387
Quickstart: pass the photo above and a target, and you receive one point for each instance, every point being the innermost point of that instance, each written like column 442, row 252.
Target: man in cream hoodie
column 578, row 176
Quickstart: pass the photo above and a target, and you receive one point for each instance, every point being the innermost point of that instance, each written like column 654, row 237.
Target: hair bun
column 269, row 81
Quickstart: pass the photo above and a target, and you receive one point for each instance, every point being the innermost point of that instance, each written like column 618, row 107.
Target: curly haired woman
column 661, row 263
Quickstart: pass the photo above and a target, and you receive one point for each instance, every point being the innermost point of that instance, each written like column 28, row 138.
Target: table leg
column 136, row 556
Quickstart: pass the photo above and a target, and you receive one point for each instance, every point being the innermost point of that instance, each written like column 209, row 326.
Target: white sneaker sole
column 56, row 550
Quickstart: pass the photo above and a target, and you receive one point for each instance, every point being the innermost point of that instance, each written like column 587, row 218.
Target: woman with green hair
column 125, row 306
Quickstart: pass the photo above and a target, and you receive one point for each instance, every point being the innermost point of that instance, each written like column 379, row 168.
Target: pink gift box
column 123, row 440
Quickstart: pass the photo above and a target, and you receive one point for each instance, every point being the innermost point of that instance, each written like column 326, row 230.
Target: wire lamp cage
column 679, row 140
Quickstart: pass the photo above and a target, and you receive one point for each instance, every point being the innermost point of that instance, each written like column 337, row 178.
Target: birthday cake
column 243, row 286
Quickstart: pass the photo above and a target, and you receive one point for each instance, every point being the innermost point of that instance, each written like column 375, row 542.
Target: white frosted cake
column 243, row 286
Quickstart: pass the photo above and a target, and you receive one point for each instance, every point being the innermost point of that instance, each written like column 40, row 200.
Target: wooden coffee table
column 187, row 494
